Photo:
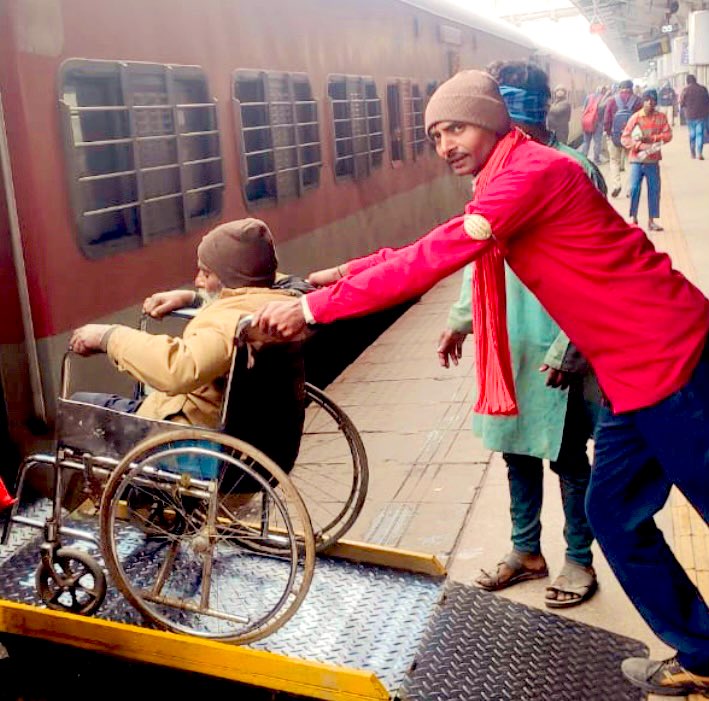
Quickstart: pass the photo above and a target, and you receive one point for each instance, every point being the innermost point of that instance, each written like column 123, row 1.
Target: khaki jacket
column 188, row 373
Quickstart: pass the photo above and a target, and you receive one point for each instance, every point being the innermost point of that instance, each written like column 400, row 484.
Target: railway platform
column 434, row 489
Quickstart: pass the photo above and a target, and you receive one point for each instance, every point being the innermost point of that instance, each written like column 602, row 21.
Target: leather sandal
column 491, row 581
column 573, row 579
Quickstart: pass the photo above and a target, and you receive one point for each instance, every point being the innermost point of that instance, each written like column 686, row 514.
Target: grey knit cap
column 241, row 253
column 471, row 97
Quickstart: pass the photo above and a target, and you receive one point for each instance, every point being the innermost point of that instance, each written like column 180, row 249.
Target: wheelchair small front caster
column 74, row 582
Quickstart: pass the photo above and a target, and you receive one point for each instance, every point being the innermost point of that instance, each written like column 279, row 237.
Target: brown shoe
column 665, row 678
column 516, row 571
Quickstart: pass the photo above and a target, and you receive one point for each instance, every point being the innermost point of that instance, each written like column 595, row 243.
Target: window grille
column 357, row 125
column 406, row 126
column 280, row 136
column 416, row 133
column 143, row 151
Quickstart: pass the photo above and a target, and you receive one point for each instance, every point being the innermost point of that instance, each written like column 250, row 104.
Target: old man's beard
column 207, row 297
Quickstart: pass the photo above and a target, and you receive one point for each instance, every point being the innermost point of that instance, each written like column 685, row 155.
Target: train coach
column 131, row 128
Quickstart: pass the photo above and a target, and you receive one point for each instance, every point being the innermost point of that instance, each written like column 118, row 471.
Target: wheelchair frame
column 111, row 450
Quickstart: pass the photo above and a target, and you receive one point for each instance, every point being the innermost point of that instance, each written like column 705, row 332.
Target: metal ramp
column 376, row 624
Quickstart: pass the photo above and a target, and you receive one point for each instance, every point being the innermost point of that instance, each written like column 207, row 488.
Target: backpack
column 621, row 117
column 589, row 118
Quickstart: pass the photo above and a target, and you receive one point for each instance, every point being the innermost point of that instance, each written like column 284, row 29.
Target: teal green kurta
column 538, row 428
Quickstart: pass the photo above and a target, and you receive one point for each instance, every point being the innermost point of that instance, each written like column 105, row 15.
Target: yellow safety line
column 366, row 553
column 266, row 669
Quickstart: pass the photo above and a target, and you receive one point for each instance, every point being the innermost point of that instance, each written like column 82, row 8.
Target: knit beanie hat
column 241, row 253
column 471, row 97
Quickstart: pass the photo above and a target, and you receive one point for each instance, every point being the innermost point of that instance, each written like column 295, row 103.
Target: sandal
column 573, row 579
column 491, row 581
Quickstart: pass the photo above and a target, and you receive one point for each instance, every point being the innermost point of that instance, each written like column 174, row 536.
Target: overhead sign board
column 653, row 48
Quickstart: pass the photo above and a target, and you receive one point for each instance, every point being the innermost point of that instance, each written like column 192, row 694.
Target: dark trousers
column 525, row 474
column 639, row 456
column 108, row 401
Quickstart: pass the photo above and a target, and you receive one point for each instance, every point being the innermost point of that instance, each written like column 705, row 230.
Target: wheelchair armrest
column 185, row 313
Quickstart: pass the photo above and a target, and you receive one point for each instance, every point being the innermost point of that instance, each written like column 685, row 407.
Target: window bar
column 113, row 208
column 106, row 176
column 76, row 109
column 157, row 137
column 105, row 142
column 208, row 132
column 197, row 161
column 133, row 131
column 179, row 146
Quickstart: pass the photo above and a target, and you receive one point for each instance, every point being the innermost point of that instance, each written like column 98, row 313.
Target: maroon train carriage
column 132, row 128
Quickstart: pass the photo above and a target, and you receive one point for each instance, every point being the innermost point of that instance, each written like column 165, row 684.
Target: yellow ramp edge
column 265, row 669
column 366, row 553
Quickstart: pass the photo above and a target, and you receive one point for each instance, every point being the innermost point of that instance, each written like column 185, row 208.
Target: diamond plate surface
column 21, row 535
column 354, row 615
column 481, row 647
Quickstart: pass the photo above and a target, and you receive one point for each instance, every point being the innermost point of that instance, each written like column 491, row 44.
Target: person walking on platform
column 592, row 123
column 559, row 115
column 643, row 135
column 552, row 424
column 536, row 208
column 695, row 101
column 620, row 108
column 667, row 99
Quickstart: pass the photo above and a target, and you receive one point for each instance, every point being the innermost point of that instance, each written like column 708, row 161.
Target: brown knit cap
column 472, row 97
column 241, row 253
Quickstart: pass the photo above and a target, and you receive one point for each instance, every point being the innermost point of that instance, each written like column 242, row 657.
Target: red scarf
column 496, row 386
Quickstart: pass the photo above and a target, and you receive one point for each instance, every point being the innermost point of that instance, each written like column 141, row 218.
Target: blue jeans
column 525, row 474
column 650, row 171
column 597, row 138
column 639, row 456
column 696, row 135
column 109, row 401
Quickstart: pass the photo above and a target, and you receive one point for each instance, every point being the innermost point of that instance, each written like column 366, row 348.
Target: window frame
column 293, row 78
column 410, row 109
column 372, row 162
column 120, row 73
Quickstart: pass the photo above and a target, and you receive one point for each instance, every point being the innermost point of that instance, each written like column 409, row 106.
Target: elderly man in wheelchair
column 200, row 526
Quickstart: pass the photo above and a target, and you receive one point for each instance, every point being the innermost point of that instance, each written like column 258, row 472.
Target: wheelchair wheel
column 206, row 577
column 331, row 473
column 74, row 582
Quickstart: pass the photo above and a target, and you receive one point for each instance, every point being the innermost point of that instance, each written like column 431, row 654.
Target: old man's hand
column 283, row 320
column 160, row 304
column 327, row 276
column 88, row 339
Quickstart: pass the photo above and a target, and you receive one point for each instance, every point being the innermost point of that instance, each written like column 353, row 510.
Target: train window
column 417, row 132
column 277, row 118
column 406, row 125
column 143, row 151
column 357, row 125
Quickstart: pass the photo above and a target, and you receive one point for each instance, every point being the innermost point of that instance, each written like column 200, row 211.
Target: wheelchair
column 209, row 532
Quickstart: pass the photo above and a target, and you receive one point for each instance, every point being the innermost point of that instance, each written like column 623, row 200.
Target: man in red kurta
column 595, row 274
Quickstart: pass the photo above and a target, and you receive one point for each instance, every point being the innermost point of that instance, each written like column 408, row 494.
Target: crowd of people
column 630, row 124
column 552, row 278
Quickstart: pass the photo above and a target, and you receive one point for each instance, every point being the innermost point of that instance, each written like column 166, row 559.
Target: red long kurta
column 641, row 324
